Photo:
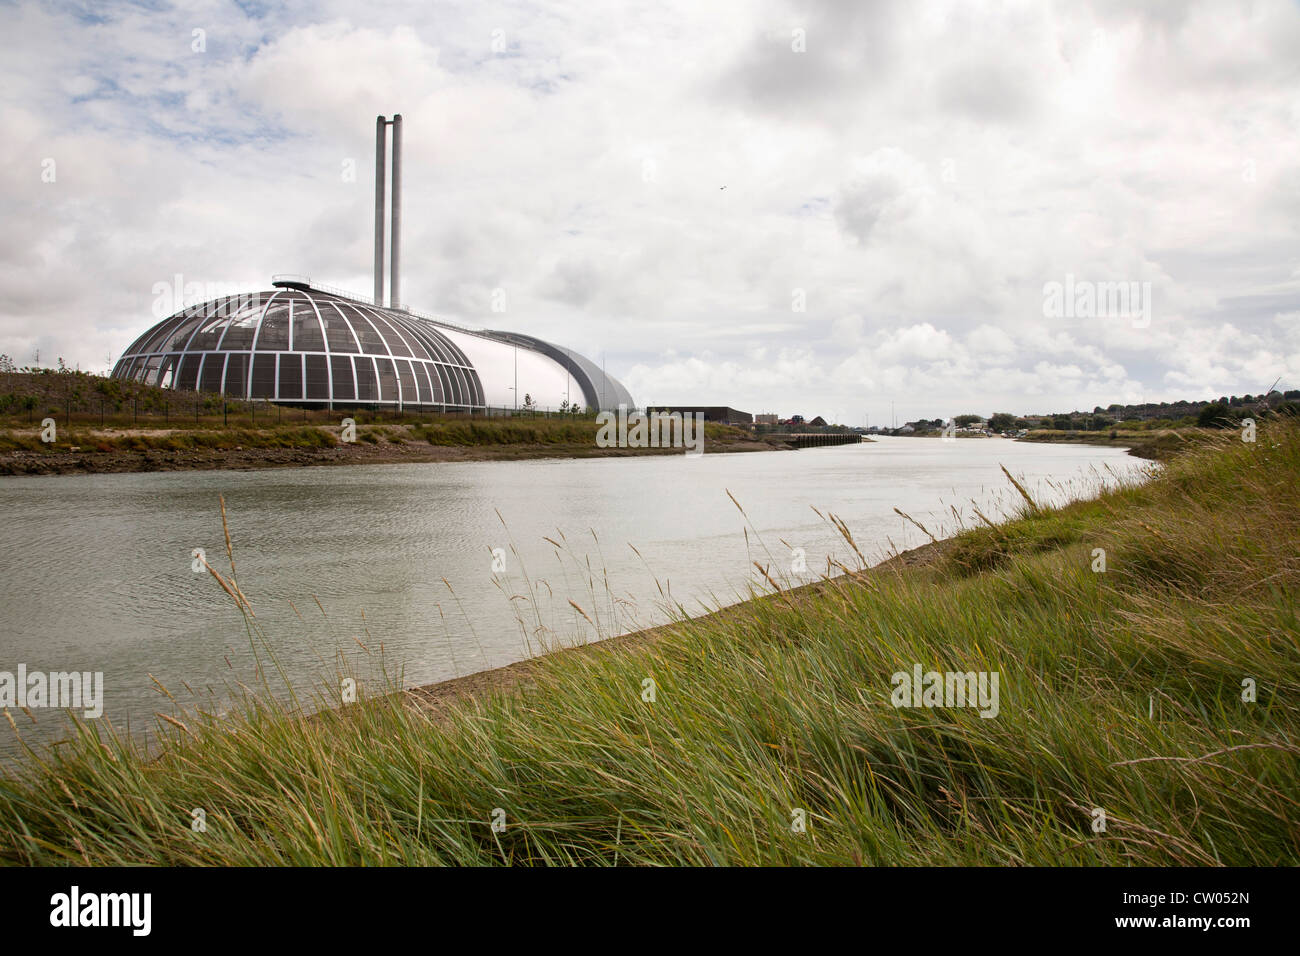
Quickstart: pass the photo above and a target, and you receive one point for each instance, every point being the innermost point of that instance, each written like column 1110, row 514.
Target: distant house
column 767, row 419
column 818, row 421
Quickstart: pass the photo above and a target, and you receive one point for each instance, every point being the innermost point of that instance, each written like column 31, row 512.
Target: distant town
column 1223, row 412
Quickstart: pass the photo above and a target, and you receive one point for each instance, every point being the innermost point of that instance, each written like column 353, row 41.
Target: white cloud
column 913, row 177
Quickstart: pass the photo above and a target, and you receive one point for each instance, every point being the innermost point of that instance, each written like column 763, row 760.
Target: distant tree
column 961, row 421
column 1062, row 423
column 1214, row 416
column 7, row 364
column 1002, row 421
column 528, row 402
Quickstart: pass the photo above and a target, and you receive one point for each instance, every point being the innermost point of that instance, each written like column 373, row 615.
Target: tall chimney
column 395, row 255
column 381, row 135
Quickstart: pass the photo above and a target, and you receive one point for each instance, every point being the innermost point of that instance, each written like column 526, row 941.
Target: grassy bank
column 87, row 449
column 1121, row 692
column 1156, row 444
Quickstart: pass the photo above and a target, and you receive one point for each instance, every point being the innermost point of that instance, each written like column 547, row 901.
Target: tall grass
column 1121, row 694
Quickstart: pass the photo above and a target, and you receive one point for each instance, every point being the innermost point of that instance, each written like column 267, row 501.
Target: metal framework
column 298, row 344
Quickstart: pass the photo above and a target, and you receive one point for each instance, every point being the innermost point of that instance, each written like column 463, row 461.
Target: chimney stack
column 395, row 254
column 380, row 142
column 381, row 171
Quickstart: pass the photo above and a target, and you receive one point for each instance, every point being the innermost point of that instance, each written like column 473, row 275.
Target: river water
column 98, row 576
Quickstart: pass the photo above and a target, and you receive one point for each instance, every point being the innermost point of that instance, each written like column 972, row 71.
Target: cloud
column 901, row 180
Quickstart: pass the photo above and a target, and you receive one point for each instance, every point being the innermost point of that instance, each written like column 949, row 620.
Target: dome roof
column 297, row 343
column 301, row 344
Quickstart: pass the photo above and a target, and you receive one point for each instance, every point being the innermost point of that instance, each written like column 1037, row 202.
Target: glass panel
column 447, row 397
column 417, row 347
column 188, row 377
column 367, row 388
column 264, row 376
column 396, row 344
column 345, row 388
column 307, row 335
column 427, row 395
column 167, row 371
column 209, row 333
column 337, row 332
column 371, row 343
column 149, row 373
column 239, row 334
column 161, row 333
column 434, row 343
column 236, row 370
column 291, row 376
column 387, row 380
column 275, row 329
column 409, row 394
column 176, row 341
column 318, row 377
column 214, row 364
column 458, row 385
column 455, row 355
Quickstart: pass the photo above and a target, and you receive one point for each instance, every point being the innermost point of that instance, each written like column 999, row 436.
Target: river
column 98, row 575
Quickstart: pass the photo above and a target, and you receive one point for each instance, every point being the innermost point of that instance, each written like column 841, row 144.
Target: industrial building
column 307, row 344
column 711, row 413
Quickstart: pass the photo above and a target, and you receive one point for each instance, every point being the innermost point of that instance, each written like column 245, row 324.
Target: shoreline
column 67, row 462
column 511, row 678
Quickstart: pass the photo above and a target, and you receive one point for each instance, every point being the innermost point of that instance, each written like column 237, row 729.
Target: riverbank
column 100, row 451
column 1145, row 643
column 1159, row 444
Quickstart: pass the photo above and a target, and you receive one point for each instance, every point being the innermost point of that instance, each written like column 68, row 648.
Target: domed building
column 309, row 345
column 304, row 345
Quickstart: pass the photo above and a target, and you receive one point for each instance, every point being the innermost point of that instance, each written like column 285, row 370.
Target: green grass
column 1120, row 691
column 285, row 436
column 1145, row 442
column 449, row 431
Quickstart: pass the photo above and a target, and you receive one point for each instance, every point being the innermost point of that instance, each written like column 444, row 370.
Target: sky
column 850, row 209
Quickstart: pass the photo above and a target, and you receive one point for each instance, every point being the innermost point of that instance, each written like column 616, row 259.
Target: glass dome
column 299, row 344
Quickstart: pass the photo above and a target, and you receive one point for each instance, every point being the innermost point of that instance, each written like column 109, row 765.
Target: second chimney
column 381, row 135
column 395, row 252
